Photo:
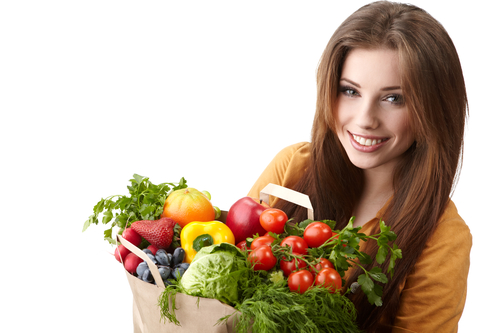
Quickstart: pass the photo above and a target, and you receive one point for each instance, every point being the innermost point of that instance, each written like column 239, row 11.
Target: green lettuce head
column 215, row 272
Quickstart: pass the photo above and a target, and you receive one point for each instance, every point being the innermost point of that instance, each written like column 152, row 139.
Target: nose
column 367, row 115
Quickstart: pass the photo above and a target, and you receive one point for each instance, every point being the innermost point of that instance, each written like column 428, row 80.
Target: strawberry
column 159, row 232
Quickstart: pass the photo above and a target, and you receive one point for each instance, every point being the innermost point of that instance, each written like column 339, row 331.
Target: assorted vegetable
column 301, row 271
column 281, row 276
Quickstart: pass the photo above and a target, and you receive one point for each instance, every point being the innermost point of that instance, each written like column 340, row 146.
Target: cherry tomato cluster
column 291, row 253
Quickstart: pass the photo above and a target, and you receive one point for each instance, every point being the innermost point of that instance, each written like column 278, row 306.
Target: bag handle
column 288, row 195
column 141, row 254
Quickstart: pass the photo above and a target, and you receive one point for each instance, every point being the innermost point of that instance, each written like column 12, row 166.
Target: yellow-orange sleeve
column 285, row 169
column 433, row 297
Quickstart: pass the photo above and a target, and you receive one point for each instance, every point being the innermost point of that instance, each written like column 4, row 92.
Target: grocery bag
column 195, row 314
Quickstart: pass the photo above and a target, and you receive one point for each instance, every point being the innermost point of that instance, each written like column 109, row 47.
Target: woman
column 387, row 142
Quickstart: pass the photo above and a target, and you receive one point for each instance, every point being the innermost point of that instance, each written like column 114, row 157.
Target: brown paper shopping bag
column 195, row 314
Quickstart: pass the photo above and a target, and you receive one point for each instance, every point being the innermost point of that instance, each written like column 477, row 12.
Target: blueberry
column 164, row 272
column 178, row 272
column 141, row 268
column 147, row 251
column 162, row 258
column 178, row 256
column 147, row 276
column 152, row 257
column 183, row 265
column 170, row 258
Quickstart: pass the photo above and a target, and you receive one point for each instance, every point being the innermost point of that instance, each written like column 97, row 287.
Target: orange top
column 433, row 295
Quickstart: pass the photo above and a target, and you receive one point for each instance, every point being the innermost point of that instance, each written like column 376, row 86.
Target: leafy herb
column 264, row 302
column 345, row 253
column 272, row 308
column 145, row 202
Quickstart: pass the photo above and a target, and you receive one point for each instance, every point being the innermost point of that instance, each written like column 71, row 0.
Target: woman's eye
column 349, row 91
column 395, row 99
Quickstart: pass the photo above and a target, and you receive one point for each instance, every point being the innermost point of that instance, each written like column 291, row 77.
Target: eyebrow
column 359, row 86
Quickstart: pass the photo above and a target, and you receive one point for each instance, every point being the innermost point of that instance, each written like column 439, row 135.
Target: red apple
column 243, row 218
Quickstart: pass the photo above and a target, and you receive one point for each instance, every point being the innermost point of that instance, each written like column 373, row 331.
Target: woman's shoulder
column 285, row 168
column 293, row 158
column 452, row 236
column 298, row 150
column 451, row 222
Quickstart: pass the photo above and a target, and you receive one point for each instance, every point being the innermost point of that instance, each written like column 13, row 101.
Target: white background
column 92, row 92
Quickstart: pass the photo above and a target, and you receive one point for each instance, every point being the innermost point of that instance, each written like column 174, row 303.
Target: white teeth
column 366, row 142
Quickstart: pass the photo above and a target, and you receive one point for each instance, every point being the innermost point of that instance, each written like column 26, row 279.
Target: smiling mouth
column 367, row 142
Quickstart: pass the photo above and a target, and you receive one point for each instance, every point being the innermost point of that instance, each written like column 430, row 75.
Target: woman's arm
column 433, row 297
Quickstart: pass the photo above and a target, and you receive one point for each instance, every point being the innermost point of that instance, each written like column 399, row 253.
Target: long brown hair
column 434, row 92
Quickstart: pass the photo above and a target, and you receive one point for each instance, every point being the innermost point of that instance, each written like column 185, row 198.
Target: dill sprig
column 274, row 309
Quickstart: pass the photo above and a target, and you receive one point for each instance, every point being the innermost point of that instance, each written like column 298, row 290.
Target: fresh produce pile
column 281, row 275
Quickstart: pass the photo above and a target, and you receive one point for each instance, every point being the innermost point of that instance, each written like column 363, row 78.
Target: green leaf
column 366, row 283
column 330, row 223
column 364, row 258
column 202, row 241
column 107, row 236
column 383, row 227
column 391, row 236
column 98, row 208
column 376, row 274
column 182, row 183
column 340, row 262
column 138, row 178
column 374, row 299
column 305, row 223
column 382, row 240
column 396, row 254
column 90, row 220
column 349, row 225
column 381, row 254
column 107, row 216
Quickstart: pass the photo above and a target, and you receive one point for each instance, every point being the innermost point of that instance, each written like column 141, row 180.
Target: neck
column 377, row 185
column 377, row 190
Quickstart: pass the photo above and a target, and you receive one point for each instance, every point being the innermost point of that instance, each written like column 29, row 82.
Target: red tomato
column 263, row 258
column 292, row 265
column 297, row 244
column 242, row 245
column 329, row 278
column 262, row 240
column 317, row 233
column 273, row 220
column 323, row 263
column 300, row 281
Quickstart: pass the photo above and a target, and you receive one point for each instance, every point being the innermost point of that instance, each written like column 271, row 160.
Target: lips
column 367, row 143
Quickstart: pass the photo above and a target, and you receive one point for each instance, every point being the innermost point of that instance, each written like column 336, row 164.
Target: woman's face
column 372, row 118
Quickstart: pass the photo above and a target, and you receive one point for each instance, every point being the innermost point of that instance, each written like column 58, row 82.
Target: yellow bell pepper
column 196, row 234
